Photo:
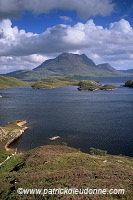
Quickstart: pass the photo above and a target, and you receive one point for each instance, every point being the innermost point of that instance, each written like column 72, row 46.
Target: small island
column 108, row 87
column 83, row 85
column 129, row 83
column 54, row 83
column 87, row 85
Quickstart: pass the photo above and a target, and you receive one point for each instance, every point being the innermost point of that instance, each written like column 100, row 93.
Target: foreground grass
column 7, row 82
column 59, row 166
column 3, row 153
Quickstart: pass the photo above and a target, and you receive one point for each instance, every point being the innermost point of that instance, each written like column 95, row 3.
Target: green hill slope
column 50, row 167
column 129, row 71
column 27, row 75
column 7, row 82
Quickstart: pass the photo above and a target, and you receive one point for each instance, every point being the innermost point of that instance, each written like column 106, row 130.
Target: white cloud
column 66, row 18
column 121, row 26
column 13, row 63
column 84, row 8
column 113, row 45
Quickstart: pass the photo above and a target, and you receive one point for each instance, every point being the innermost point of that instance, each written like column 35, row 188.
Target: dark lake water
column 99, row 119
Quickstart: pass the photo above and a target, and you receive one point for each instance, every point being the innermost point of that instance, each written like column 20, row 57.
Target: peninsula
column 11, row 132
column 8, row 82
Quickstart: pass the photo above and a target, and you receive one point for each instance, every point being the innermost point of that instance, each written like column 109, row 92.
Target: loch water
column 82, row 119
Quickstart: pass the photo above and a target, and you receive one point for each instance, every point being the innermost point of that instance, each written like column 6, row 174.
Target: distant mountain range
column 67, row 64
column 129, row 71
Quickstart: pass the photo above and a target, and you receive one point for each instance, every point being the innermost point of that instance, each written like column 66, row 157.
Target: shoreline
column 11, row 132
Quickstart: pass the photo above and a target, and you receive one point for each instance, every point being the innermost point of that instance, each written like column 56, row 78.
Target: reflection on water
column 99, row 119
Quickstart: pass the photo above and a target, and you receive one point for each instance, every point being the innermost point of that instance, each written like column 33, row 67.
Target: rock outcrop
column 11, row 132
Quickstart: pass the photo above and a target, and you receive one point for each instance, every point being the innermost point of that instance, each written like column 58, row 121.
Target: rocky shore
column 11, row 132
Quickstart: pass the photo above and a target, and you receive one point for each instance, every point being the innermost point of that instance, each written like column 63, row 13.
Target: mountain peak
column 72, row 64
column 69, row 64
column 65, row 55
column 84, row 55
column 106, row 66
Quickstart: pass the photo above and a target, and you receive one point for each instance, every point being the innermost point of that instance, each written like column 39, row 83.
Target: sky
column 32, row 31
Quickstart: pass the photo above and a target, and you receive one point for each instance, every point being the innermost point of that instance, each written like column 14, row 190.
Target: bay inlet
column 82, row 119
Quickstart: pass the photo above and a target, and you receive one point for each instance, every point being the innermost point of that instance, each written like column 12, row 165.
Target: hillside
column 49, row 167
column 72, row 64
column 67, row 64
column 107, row 66
column 129, row 71
column 27, row 75
column 7, row 82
